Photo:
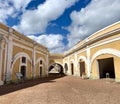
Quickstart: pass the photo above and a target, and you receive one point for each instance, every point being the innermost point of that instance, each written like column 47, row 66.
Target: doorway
column 40, row 71
column 82, row 67
column 23, row 71
column 72, row 69
column 106, row 66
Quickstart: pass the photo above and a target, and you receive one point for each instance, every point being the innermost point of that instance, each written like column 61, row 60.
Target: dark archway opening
column 66, row 67
column 23, row 72
column 56, row 69
column 82, row 68
column 106, row 66
column 72, row 69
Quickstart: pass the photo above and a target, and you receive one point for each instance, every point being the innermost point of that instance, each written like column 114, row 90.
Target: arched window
column 23, row 60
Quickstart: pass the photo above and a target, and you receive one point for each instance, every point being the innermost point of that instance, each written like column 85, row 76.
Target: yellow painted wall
column 72, row 57
column 95, row 68
column 15, row 69
column 17, row 49
column 112, row 45
column 23, row 43
column 38, row 55
column 81, row 54
column 37, row 70
column 105, row 31
column 29, row 69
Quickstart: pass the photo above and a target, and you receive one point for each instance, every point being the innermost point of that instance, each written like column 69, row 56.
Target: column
column 33, row 62
column 8, row 70
column 47, row 63
column 88, row 61
column 76, row 70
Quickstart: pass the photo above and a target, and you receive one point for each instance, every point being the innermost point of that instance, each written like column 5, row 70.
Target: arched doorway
column 23, row 71
column 56, row 69
column 103, row 63
column 66, row 67
column 82, row 67
column 106, row 66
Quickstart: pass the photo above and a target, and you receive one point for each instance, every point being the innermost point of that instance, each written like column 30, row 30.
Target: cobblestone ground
column 64, row 90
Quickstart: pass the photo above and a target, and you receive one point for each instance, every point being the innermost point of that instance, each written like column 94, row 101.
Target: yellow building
column 20, row 54
column 97, row 56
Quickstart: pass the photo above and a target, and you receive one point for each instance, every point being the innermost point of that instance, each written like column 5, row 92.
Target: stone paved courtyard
column 64, row 90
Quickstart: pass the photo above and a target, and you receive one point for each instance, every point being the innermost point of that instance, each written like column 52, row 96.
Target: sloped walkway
column 64, row 90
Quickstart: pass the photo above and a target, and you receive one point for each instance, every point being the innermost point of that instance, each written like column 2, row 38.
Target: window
column 40, row 71
column 23, row 59
column 41, row 62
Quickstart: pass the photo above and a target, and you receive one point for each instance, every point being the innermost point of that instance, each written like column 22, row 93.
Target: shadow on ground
column 5, row 89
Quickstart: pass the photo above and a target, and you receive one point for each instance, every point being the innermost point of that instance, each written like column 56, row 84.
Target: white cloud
column 52, row 41
column 36, row 21
column 95, row 16
column 11, row 8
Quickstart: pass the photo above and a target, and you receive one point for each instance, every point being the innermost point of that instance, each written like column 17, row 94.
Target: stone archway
column 55, row 68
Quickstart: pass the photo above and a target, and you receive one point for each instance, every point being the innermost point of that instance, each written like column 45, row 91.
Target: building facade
column 97, row 56
column 21, row 54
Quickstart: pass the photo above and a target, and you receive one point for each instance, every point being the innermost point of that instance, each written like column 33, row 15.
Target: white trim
column 55, row 63
column 47, row 63
column 88, row 52
column 41, row 65
column 80, row 51
column 5, row 61
column 15, row 37
column 25, row 47
column 38, row 60
column 33, row 62
column 8, row 71
column 103, row 29
column 40, row 52
column 83, row 58
column 18, row 55
column 105, row 42
column 2, row 31
column 21, row 46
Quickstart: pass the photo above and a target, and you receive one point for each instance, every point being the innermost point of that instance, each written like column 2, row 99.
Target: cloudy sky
column 59, row 24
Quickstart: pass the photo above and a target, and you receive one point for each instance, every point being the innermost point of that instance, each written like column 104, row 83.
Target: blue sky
column 59, row 24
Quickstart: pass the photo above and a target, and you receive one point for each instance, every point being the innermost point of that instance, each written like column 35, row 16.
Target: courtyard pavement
column 63, row 90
